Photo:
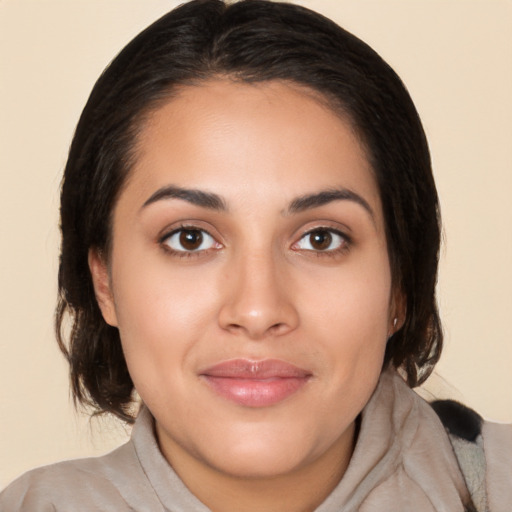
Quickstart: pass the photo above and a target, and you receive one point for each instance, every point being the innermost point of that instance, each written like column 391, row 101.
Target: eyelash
column 345, row 246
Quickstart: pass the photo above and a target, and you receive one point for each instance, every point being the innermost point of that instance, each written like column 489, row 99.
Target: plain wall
column 455, row 57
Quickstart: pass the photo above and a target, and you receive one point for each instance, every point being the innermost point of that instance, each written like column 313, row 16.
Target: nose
column 258, row 300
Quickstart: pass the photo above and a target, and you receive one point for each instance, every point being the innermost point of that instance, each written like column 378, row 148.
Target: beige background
column 454, row 55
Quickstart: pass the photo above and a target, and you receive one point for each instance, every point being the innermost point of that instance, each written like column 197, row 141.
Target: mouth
column 255, row 383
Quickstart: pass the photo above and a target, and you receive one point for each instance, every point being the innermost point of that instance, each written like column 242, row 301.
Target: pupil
column 321, row 240
column 191, row 239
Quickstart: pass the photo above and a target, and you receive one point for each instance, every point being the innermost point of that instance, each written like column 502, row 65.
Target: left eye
column 190, row 240
column 321, row 240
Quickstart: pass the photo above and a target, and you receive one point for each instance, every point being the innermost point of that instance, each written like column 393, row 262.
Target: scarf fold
column 402, row 461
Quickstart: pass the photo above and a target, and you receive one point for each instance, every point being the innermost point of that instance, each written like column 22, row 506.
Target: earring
column 395, row 322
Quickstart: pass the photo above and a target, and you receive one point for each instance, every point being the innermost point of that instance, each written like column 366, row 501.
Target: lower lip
column 256, row 392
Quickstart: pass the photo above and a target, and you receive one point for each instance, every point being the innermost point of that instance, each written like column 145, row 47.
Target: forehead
column 236, row 138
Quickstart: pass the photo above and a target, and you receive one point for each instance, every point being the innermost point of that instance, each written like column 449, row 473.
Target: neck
column 300, row 490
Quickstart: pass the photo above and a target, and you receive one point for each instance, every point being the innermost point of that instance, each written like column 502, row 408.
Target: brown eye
column 322, row 240
column 190, row 240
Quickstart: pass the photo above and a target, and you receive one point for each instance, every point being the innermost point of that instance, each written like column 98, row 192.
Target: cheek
column 352, row 336
column 354, row 301
column 349, row 315
column 162, row 314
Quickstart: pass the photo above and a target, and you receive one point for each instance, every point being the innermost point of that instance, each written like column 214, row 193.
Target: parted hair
column 248, row 41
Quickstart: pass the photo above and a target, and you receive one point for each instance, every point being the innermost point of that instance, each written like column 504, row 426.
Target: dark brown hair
column 249, row 41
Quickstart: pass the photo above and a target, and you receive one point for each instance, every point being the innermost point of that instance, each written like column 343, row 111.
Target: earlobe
column 102, row 286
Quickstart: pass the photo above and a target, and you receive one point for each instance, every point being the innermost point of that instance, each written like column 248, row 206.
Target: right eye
column 187, row 240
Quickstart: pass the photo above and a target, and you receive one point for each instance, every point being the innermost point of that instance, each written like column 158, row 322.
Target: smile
column 255, row 383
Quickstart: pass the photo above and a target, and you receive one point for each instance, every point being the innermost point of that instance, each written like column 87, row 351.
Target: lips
column 255, row 383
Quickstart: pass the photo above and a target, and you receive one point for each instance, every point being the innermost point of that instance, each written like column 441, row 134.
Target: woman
column 250, row 236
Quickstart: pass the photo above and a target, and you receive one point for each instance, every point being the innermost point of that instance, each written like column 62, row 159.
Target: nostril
column 276, row 327
column 257, row 331
column 234, row 327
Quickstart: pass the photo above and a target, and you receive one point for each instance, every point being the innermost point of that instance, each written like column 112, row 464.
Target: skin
column 259, row 288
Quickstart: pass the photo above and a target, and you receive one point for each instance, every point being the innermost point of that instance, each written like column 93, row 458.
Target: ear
column 102, row 286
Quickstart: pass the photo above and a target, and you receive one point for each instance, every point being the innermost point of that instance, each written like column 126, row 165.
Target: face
column 249, row 278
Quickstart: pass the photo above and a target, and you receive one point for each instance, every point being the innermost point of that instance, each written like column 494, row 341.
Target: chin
column 261, row 464
column 262, row 452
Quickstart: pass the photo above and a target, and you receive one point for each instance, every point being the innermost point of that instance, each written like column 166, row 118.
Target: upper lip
column 249, row 369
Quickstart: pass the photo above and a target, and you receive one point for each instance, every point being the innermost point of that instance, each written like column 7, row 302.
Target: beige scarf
column 403, row 460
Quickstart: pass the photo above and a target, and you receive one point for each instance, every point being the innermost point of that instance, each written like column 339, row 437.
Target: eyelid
column 324, row 224
column 188, row 224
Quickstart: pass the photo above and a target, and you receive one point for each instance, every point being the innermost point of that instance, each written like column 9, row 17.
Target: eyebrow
column 194, row 196
column 213, row 201
column 324, row 197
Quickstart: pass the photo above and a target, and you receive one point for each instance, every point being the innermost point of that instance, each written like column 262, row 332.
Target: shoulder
column 498, row 441
column 82, row 484
column 57, row 487
column 480, row 444
column 498, row 454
